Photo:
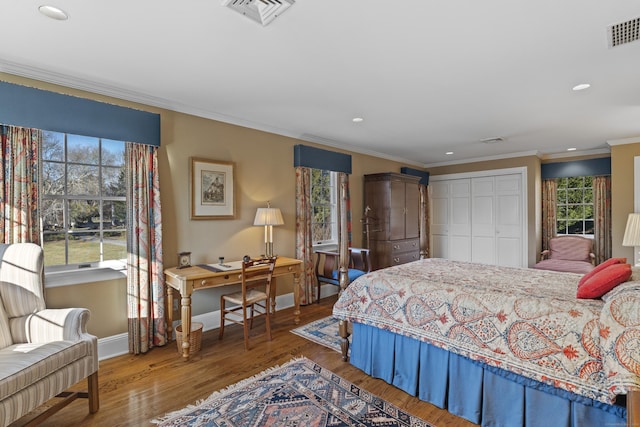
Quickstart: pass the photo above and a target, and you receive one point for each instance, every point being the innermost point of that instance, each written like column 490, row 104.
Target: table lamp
column 632, row 231
column 268, row 217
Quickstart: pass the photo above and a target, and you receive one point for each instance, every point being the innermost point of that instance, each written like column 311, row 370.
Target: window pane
column 562, row 227
column 574, row 195
column 53, row 146
column 83, row 149
column 562, row 212
column 589, row 227
column 114, row 182
column 562, row 196
column 52, row 178
column 576, row 227
column 84, row 247
column 112, row 152
column 54, row 248
column 83, row 180
column 52, row 214
column 84, row 214
column 114, row 215
column 114, row 245
column 588, row 195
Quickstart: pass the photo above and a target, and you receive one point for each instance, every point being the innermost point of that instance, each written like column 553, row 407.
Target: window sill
column 78, row 276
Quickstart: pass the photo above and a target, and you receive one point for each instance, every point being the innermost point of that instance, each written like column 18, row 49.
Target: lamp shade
column 632, row 231
column 268, row 216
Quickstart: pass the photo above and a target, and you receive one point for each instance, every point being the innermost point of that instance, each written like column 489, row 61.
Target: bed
column 498, row 346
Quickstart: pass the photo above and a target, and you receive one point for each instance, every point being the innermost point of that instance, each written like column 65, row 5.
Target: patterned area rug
column 323, row 332
column 298, row 393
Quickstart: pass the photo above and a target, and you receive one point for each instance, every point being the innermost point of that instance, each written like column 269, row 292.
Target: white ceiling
column 427, row 76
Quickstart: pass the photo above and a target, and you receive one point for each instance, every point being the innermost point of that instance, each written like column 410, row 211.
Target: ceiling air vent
column 262, row 11
column 492, row 140
column 624, row 32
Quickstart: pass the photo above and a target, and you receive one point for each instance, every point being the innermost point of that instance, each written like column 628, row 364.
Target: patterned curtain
column 145, row 281
column 602, row 217
column 348, row 204
column 19, row 186
column 549, row 201
column 304, row 242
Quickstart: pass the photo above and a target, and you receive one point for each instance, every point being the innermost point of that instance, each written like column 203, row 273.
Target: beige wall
column 264, row 172
column 532, row 163
column 622, row 194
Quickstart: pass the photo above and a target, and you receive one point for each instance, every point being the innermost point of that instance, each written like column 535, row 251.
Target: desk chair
column 255, row 273
column 327, row 266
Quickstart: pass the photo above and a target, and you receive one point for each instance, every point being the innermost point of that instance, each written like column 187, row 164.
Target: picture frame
column 212, row 189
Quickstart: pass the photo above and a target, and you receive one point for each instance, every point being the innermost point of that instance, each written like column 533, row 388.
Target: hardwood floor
column 136, row 389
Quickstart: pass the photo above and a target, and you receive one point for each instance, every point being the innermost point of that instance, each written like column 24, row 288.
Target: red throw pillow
column 600, row 267
column 604, row 280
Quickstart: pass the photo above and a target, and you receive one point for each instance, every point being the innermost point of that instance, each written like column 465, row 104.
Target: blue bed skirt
column 479, row 393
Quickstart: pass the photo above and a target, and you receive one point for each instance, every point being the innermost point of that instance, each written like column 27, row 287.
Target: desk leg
column 186, row 326
column 296, row 297
column 169, row 314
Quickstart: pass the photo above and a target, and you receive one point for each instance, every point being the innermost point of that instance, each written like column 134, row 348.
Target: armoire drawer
column 405, row 257
column 400, row 246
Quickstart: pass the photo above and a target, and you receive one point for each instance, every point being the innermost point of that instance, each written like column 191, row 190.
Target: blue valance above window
column 424, row 176
column 41, row 109
column 589, row 167
column 317, row 158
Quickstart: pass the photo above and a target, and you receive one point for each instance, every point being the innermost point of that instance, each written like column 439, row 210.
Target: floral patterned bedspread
column 522, row 320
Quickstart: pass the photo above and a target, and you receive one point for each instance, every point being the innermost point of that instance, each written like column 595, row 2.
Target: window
column 324, row 225
column 575, row 206
column 83, row 199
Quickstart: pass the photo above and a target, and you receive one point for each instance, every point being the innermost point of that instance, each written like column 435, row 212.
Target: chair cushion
column 24, row 364
column 600, row 267
column 353, row 274
column 604, row 280
column 580, row 267
column 571, row 248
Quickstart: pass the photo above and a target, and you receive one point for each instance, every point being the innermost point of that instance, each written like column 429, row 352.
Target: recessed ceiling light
column 357, row 120
column 448, row 153
column 581, row 86
column 53, row 12
column 571, row 149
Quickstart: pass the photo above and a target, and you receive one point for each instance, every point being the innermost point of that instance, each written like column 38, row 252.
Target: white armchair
column 43, row 352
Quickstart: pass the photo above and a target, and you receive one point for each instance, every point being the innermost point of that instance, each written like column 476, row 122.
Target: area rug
column 323, row 332
column 298, row 393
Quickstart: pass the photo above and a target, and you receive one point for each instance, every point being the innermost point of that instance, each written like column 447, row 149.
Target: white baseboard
column 118, row 345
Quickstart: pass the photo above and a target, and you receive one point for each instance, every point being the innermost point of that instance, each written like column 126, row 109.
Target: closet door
column 510, row 224
column 439, row 219
column 460, row 220
column 451, row 219
column 483, row 220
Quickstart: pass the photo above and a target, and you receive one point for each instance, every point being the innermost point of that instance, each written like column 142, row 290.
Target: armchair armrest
column 592, row 258
column 58, row 324
column 544, row 254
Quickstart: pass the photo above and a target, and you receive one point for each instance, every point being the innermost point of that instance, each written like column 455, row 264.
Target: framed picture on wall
column 212, row 189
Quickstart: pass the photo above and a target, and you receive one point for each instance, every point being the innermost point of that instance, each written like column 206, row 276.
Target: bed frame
column 633, row 397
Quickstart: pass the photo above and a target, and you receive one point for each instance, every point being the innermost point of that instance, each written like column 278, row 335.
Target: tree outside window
column 575, row 206
column 83, row 203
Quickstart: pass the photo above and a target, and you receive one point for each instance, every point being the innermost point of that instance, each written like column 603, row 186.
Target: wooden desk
column 187, row 280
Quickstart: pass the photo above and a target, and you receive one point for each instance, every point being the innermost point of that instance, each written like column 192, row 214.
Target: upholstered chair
column 568, row 253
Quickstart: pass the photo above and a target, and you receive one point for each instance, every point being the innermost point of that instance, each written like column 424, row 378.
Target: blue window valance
column 589, row 167
column 424, row 176
column 317, row 158
column 36, row 108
